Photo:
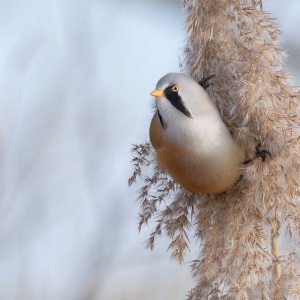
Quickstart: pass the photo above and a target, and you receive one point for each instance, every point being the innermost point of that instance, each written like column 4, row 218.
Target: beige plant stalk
column 239, row 231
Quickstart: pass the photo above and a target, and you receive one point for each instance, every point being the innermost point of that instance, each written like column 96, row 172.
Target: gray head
column 181, row 97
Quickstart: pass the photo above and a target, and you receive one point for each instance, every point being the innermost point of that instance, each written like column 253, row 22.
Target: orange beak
column 157, row 93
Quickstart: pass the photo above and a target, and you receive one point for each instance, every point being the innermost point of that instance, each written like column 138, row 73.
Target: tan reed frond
column 240, row 230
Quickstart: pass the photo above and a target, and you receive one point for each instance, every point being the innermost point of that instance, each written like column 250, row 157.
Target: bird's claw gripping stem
column 259, row 152
column 204, row 82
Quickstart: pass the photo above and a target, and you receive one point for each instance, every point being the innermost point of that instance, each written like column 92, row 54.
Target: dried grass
column 239, row 230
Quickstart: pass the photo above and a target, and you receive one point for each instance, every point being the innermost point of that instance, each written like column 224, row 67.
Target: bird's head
column 181, row 97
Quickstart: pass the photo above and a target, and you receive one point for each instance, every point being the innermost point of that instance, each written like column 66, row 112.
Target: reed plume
column 239, row 231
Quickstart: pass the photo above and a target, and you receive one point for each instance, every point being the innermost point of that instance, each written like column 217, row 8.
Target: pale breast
column 195, row 168
column 198, row 173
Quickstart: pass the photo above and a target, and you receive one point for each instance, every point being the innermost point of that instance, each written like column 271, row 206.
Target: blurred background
column 75, row 78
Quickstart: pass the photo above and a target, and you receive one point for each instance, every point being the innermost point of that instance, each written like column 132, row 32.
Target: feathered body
column 194, row 147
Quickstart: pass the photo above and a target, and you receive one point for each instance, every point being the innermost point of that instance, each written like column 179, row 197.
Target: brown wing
column 157, row 134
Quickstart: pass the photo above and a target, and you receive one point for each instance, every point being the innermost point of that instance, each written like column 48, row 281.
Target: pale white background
column 75, row 78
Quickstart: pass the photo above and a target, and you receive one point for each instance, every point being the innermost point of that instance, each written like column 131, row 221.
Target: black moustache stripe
column 176, row 101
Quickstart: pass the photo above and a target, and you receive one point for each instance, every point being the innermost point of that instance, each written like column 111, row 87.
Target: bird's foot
column 204, row 82
column 259, row 152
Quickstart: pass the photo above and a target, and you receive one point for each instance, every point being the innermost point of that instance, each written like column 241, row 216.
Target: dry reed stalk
column 239, row 230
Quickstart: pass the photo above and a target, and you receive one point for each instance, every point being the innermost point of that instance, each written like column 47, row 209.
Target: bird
column 191, row 141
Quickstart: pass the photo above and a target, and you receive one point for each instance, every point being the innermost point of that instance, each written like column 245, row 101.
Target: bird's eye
column 175, row 88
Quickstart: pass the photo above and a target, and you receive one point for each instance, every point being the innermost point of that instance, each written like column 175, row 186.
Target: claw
column 259, row 152
column 204, row 82
column 262, row 153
